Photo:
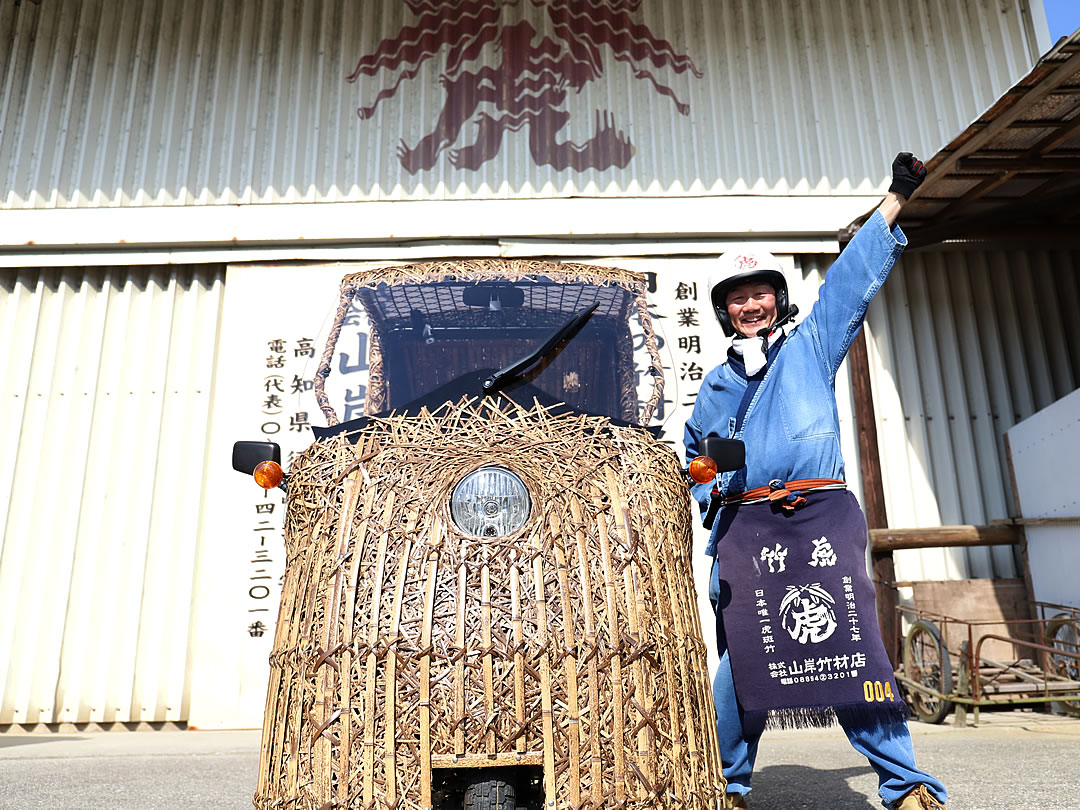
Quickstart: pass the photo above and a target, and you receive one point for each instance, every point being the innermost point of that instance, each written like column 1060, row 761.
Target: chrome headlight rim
column 460, row 523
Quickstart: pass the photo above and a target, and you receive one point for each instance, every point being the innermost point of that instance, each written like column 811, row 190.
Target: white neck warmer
column 752, row 350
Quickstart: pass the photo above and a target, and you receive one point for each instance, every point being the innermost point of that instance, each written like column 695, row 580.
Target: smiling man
column 751, row 306
column 796, row 625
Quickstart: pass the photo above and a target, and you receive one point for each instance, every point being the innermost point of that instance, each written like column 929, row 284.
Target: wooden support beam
column 873, row 491
column 882, row 540
column 1063, row 133
column 999, row 220
column 962, row 204
column 1025, row 562
column 1023, row 235
column 1035, row 123
column 1053, row 83
column 1047, row 163
column 1043, row 521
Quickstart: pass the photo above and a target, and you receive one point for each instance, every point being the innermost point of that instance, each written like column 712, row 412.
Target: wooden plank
column 874, row 494
column 1032, row 96
column 1044, row 521
column 1025, row 563
column 535, row 758
column 1046, row 163
column 882, row 540
column 996, row 601
column 1065, row 131
column 869, row 457
column 1002, row 221
column 1053, row 687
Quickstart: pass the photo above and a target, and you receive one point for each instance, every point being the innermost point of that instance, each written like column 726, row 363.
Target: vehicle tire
column 926, row 662
column 490, row 794
column 1063, row 633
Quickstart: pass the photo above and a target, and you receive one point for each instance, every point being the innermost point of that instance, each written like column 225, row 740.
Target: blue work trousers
column 887, row 745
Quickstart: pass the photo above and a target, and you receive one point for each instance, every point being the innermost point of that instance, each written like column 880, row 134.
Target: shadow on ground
column 796, row 787
column 10, row 741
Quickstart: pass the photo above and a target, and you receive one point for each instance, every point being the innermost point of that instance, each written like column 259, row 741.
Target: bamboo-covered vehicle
column 488, row 599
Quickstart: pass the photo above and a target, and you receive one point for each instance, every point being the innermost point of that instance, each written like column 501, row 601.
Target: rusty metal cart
column 949, row 662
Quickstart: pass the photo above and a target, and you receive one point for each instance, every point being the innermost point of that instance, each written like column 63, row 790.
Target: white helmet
column 739, row 266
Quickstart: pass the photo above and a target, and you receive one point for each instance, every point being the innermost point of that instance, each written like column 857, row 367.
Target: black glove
column 908, row 172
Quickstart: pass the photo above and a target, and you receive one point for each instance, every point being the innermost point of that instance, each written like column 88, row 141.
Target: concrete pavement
column 1013, row 761
column 128, row 770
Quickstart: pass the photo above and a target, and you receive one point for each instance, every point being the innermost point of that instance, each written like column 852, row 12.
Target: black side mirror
column 729, row 454
column 247, row 455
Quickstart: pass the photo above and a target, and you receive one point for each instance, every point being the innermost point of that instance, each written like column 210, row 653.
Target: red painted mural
column 529, row 87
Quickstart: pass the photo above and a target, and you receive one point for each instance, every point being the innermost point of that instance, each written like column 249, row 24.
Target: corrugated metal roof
column 168, row 102
column 1015, row 171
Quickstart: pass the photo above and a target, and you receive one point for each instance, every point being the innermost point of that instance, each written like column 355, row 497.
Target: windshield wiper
column 504, row 376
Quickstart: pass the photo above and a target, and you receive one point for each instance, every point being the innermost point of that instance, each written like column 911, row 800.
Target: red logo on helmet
column 528, row 88
column 745, row 262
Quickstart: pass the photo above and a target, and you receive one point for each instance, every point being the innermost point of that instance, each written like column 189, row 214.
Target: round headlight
column 490, row 502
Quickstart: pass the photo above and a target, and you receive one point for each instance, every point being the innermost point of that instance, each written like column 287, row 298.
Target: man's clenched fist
column 908, row 172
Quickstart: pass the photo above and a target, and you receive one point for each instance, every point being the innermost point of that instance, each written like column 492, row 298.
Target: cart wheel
column 490, row 794
column 926, row 662
column 1063, row 632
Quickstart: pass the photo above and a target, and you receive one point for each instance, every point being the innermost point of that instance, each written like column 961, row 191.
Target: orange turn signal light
column 702, row 469
column 268, row 474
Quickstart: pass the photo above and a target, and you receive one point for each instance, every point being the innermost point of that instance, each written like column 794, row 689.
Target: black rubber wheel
column 926, row 662
column 1063, row 633
column 490, row 794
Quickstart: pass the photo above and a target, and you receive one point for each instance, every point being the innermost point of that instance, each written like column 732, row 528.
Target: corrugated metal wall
column 107, row 385
column 963, row 344
column 105, row 394
column 181, row 102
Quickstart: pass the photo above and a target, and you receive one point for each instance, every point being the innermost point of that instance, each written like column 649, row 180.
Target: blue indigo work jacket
column 791, row 428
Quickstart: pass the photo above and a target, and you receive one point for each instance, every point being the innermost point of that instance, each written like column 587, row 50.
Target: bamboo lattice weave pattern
column 573, row 643
column 387, row 292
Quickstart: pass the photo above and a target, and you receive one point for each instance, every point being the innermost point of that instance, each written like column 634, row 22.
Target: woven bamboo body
column 404, row 646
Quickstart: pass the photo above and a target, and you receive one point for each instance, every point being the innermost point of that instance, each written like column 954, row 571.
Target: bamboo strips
column 404, row 646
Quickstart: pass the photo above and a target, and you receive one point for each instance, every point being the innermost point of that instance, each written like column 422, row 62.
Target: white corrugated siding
column 105, row 395
column 181, row 102
column 965, row 343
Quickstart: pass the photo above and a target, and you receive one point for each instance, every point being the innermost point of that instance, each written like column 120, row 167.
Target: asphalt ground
column 1012, row 761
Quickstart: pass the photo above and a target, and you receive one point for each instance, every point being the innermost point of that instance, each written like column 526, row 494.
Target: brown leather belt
column 788, row 494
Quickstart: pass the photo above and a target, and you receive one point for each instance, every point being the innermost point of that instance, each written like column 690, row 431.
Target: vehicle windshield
column 435, row 341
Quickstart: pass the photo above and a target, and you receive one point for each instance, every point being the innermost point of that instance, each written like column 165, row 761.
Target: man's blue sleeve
column 850, row 285
column 702, row 493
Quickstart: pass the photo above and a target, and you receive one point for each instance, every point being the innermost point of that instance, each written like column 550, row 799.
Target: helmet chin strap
column 768, row 330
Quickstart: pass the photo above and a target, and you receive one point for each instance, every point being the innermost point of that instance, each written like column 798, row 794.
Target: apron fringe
column 862, row 714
